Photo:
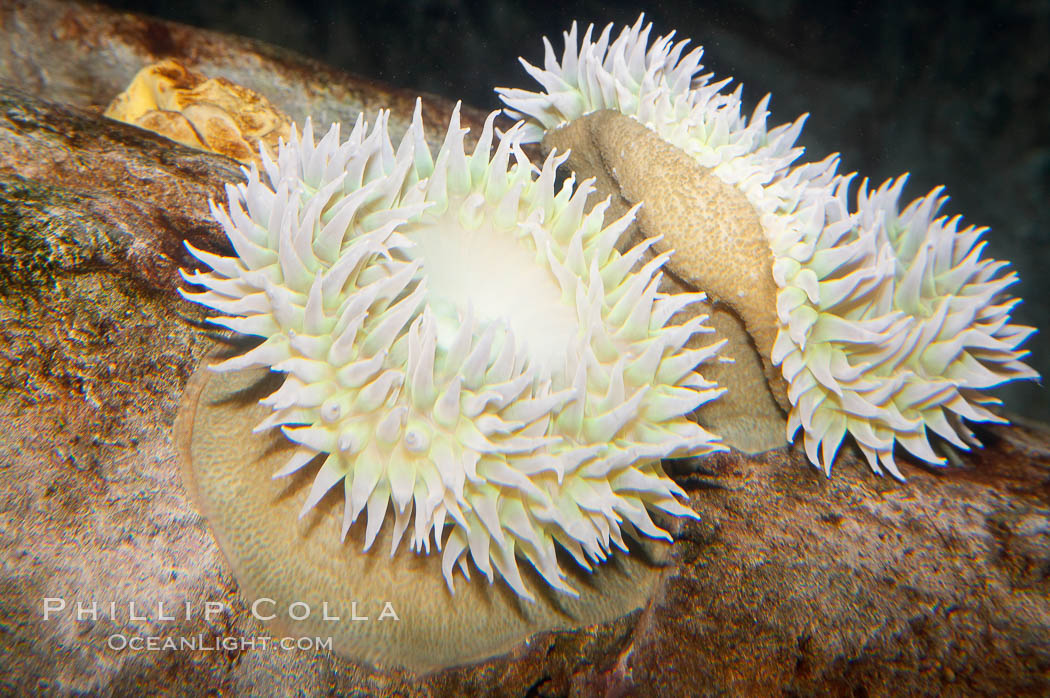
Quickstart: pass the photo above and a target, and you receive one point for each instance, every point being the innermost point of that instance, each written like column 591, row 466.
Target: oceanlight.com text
column 120, row 642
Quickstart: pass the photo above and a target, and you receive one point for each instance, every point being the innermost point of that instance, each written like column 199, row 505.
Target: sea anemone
column 460, row 339
column 883, row 324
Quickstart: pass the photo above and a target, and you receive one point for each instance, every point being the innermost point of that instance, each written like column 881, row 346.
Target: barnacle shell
column 883, row 325
column 462, row 341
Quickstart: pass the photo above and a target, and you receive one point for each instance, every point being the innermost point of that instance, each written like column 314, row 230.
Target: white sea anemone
column 461, row 339
column 887, row 324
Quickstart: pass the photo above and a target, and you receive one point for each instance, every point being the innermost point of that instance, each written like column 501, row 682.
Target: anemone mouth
column 280, row 562
column 475, row 269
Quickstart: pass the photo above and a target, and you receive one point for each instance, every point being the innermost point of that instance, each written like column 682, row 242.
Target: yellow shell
column 211, row 114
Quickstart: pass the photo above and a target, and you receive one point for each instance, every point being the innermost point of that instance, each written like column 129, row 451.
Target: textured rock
column 789, row 584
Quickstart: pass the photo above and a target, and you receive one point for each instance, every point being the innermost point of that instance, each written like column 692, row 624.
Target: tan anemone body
column 700, row 218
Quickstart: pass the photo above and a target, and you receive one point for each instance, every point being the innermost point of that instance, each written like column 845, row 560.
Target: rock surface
column 789, row 584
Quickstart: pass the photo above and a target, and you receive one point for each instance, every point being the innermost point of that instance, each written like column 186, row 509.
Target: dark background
column 957, row 93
